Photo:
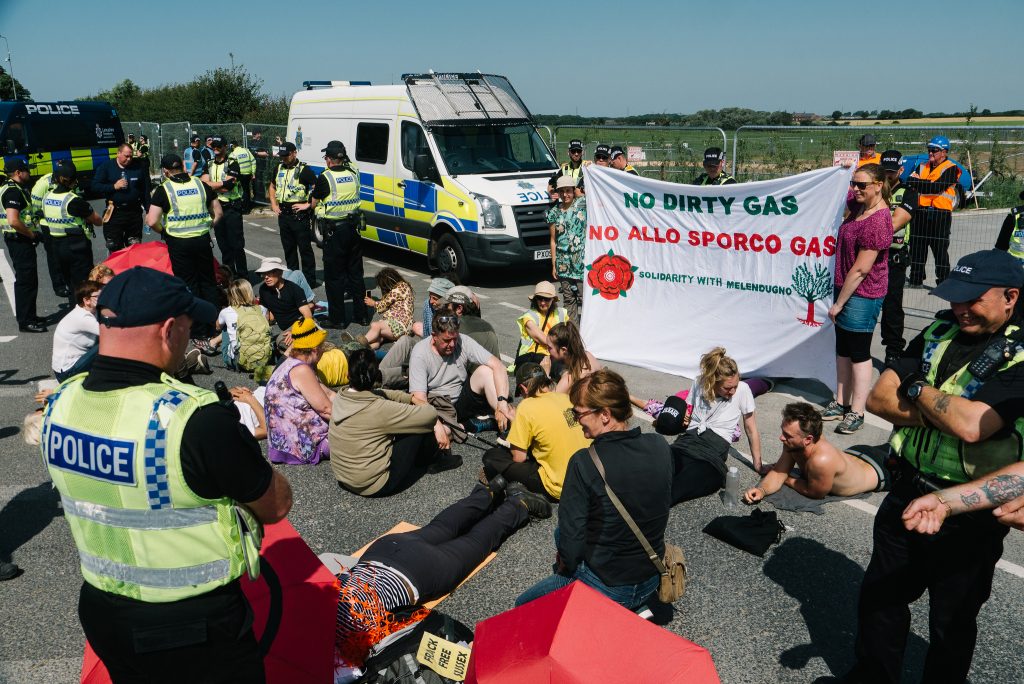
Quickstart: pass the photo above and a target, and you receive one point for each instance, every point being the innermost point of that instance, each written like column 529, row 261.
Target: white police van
column 451, row 165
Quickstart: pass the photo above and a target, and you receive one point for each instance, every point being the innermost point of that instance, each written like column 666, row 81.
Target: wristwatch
column 914, row 391
column 504, row 399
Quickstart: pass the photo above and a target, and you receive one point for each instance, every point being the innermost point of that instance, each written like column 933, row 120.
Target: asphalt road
column 789, row 617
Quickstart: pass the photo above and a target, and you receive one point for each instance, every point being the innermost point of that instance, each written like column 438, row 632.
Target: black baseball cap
column 335, row 148
column 575, row 144
column 15, row 165
column 602, row 150
column 66, row 169
column 525, row 372
column 286, row 148
column 218, row 141
column 144, row 296
column 617, row 152
column 868, row 140
column 975, row 274
column 171, row 162
column 713, row 156
column 891, row 160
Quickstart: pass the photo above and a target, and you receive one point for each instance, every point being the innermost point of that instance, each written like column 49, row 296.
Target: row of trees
column 729, row 118
column 918, row 114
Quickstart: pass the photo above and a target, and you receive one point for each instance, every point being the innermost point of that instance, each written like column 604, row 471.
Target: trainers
column 851, row 423
column 834, row 411
column 536, row 505
column 8, row 571
column 497, row 486
column 892, row 358
column 445, row 460
column 205, row 347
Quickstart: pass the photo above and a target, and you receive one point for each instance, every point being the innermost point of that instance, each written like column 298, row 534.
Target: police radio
column 991, row 360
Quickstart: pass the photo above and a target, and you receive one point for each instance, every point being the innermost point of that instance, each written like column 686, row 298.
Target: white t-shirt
column 246, row 416
column 723, row 415
column 228, row 321
column 76, row 334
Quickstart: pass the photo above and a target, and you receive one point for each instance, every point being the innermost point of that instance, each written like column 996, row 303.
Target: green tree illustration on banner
column 812, row 288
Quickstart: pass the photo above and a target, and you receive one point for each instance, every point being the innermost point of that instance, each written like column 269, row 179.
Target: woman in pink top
column 861, row 280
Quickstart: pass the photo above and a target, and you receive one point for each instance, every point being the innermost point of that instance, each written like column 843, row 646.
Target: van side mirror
column 425, row 169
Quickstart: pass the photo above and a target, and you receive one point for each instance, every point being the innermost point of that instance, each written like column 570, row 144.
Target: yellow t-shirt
column 545, row 428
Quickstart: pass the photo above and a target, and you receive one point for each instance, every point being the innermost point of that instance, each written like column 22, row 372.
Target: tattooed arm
column 927, row 513
column 965, row 419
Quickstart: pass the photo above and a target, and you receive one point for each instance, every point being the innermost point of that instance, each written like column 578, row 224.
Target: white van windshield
column 492, row 149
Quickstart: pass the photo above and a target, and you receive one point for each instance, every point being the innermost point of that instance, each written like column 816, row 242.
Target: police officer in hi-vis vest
column 1011, row 233
column 164, row 491
column 714, row 162
column 70, row 219
column 289, row 198
column 42, row 186
column 335, row 201
column 189, row 208
column 574, row 167
column 247, row 167
column 902, row 202
column 935, row 181
column 954, row 400
column 21, row 235
column 222, row 174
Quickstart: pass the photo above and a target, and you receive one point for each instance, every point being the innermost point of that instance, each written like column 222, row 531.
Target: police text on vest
column 111, row 460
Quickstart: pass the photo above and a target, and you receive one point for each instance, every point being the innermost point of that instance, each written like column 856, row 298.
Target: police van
column 451, row 165
column 45, row 133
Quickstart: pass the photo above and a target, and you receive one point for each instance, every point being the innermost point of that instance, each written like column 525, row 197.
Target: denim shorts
column 860, row 314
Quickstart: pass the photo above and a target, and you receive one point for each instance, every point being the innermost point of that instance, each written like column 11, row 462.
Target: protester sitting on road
column 824, row 470
column 101, row 273
column 242, row 305
column 720, row 401
column 435, row 298
column 467, row 307
column 542, row 438
column 76, row 336
column 251, row 412
column 534, row 325
column 284, row 300
column 594, row 543
column 297, row 405
column 861, row 280
column 395, row 308
column 570, row 360
column 380, row 441
column 439, row 364
column 408, row 569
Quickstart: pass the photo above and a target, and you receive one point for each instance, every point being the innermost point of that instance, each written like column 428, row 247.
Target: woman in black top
column 594, row 544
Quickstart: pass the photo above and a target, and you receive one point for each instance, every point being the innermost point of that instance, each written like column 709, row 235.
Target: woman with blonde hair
column 720, row 402
column 241, row 303
column 395, row 308
column 570, row 360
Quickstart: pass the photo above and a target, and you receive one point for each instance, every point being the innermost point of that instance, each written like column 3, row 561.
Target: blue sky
column 590, row 57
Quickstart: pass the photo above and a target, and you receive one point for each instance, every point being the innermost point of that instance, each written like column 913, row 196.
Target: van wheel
column 451, row 258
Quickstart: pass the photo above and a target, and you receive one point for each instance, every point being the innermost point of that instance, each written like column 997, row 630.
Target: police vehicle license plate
column 542, row 254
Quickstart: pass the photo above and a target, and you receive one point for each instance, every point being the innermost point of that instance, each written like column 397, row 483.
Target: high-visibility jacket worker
column 223, row 176
column 335, row 200
column 21, row 235
column 936, row 183
column 41, row 187
column 574, row 167
column 70, row 219
column 714, row 163
column 247, row 167
column 902, row 203
column 163, row 492
column 868, row 155
column 618, row 161
column 1011, row 233
column 535, row 323
column 289, row 199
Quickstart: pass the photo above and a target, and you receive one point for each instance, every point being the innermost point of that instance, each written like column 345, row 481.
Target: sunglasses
column 538, row 298
column 934, row 150
column 577, row 414
column 862, row 185
column 600, row 156
column 445, row 320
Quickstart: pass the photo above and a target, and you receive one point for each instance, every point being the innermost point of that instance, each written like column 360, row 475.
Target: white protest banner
column 674, row 270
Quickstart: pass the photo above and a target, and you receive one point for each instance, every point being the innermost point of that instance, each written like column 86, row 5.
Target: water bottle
column 731, row 493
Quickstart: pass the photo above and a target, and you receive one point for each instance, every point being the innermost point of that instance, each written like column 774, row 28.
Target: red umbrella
column 151, row 255
column 577, row 635
column 302, row 596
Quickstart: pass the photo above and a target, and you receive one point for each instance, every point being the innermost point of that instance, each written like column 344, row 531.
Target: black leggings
column 437, row 557
column 410, row 457
column 696, row 476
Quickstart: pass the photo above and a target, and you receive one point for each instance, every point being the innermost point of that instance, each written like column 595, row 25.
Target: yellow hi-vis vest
column 140, row 531
column 188, row 215
column 1016, row 247
column 39, row 190
column 26, row 214
column 55, row 212
column 528, row 345
column 901, row 238
column 344, row 194
column 246, row 160
column 577, row 173
column 218, row 174
column 943, row 456
column 287, row 186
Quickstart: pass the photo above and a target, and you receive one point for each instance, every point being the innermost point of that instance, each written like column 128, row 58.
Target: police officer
column 902, row 201
column 260, row 152
column 191, row 208
column 21, row 237
column 1011, row 233
column 714, row 162
column 222, row 175
column 247, row 166
column 41, row 187
column 163, row 490
column 125, row 184
column 602, row 154
column 142, row 152
column 935, row 181
column 335, row 200
column 289, row 199
column 617, row 160
column 954, row 400
column 574, row 167
column 70, row 219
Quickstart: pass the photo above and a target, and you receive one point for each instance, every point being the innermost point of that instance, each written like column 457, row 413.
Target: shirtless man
column 824, row 469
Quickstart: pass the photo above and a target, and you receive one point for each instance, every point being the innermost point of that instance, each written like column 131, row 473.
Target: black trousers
column 955, row 566
column 56, row 279
column 441, row 554
column 26, row 277
column 694, row 475
column 231, row 239
column 246, row 183
column 204, row 639
column 498, row 461
column 343, row 270
column 411, row 455
column 929, row 230
column 124, row 228
column 297, row 241
column 893, row 316
column 74, row 258
column 192, row 261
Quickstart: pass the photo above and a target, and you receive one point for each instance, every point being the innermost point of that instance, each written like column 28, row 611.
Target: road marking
column 253, row 223
column 481, row 296
column 252, row 253
column 7, row 338
column 517, row 307
column 1012, row 568
column 8, row 275
column 407, row 274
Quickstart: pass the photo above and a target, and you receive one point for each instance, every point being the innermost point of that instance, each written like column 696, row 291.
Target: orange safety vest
column 876, row 158
column 944, row 201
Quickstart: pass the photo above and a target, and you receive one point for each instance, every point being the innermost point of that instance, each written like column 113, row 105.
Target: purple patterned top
column 874, row 232
column 296, row 434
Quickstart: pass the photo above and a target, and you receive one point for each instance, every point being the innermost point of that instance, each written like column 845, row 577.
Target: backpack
column 253, row 334
column 397, row 661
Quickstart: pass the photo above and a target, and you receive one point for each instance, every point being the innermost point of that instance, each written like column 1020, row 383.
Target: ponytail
column 715, row 367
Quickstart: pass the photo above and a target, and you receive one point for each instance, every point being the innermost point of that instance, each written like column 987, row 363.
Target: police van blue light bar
column 309, row 85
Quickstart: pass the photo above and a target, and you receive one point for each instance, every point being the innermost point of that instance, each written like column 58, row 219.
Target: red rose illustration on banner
column 611, row 275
